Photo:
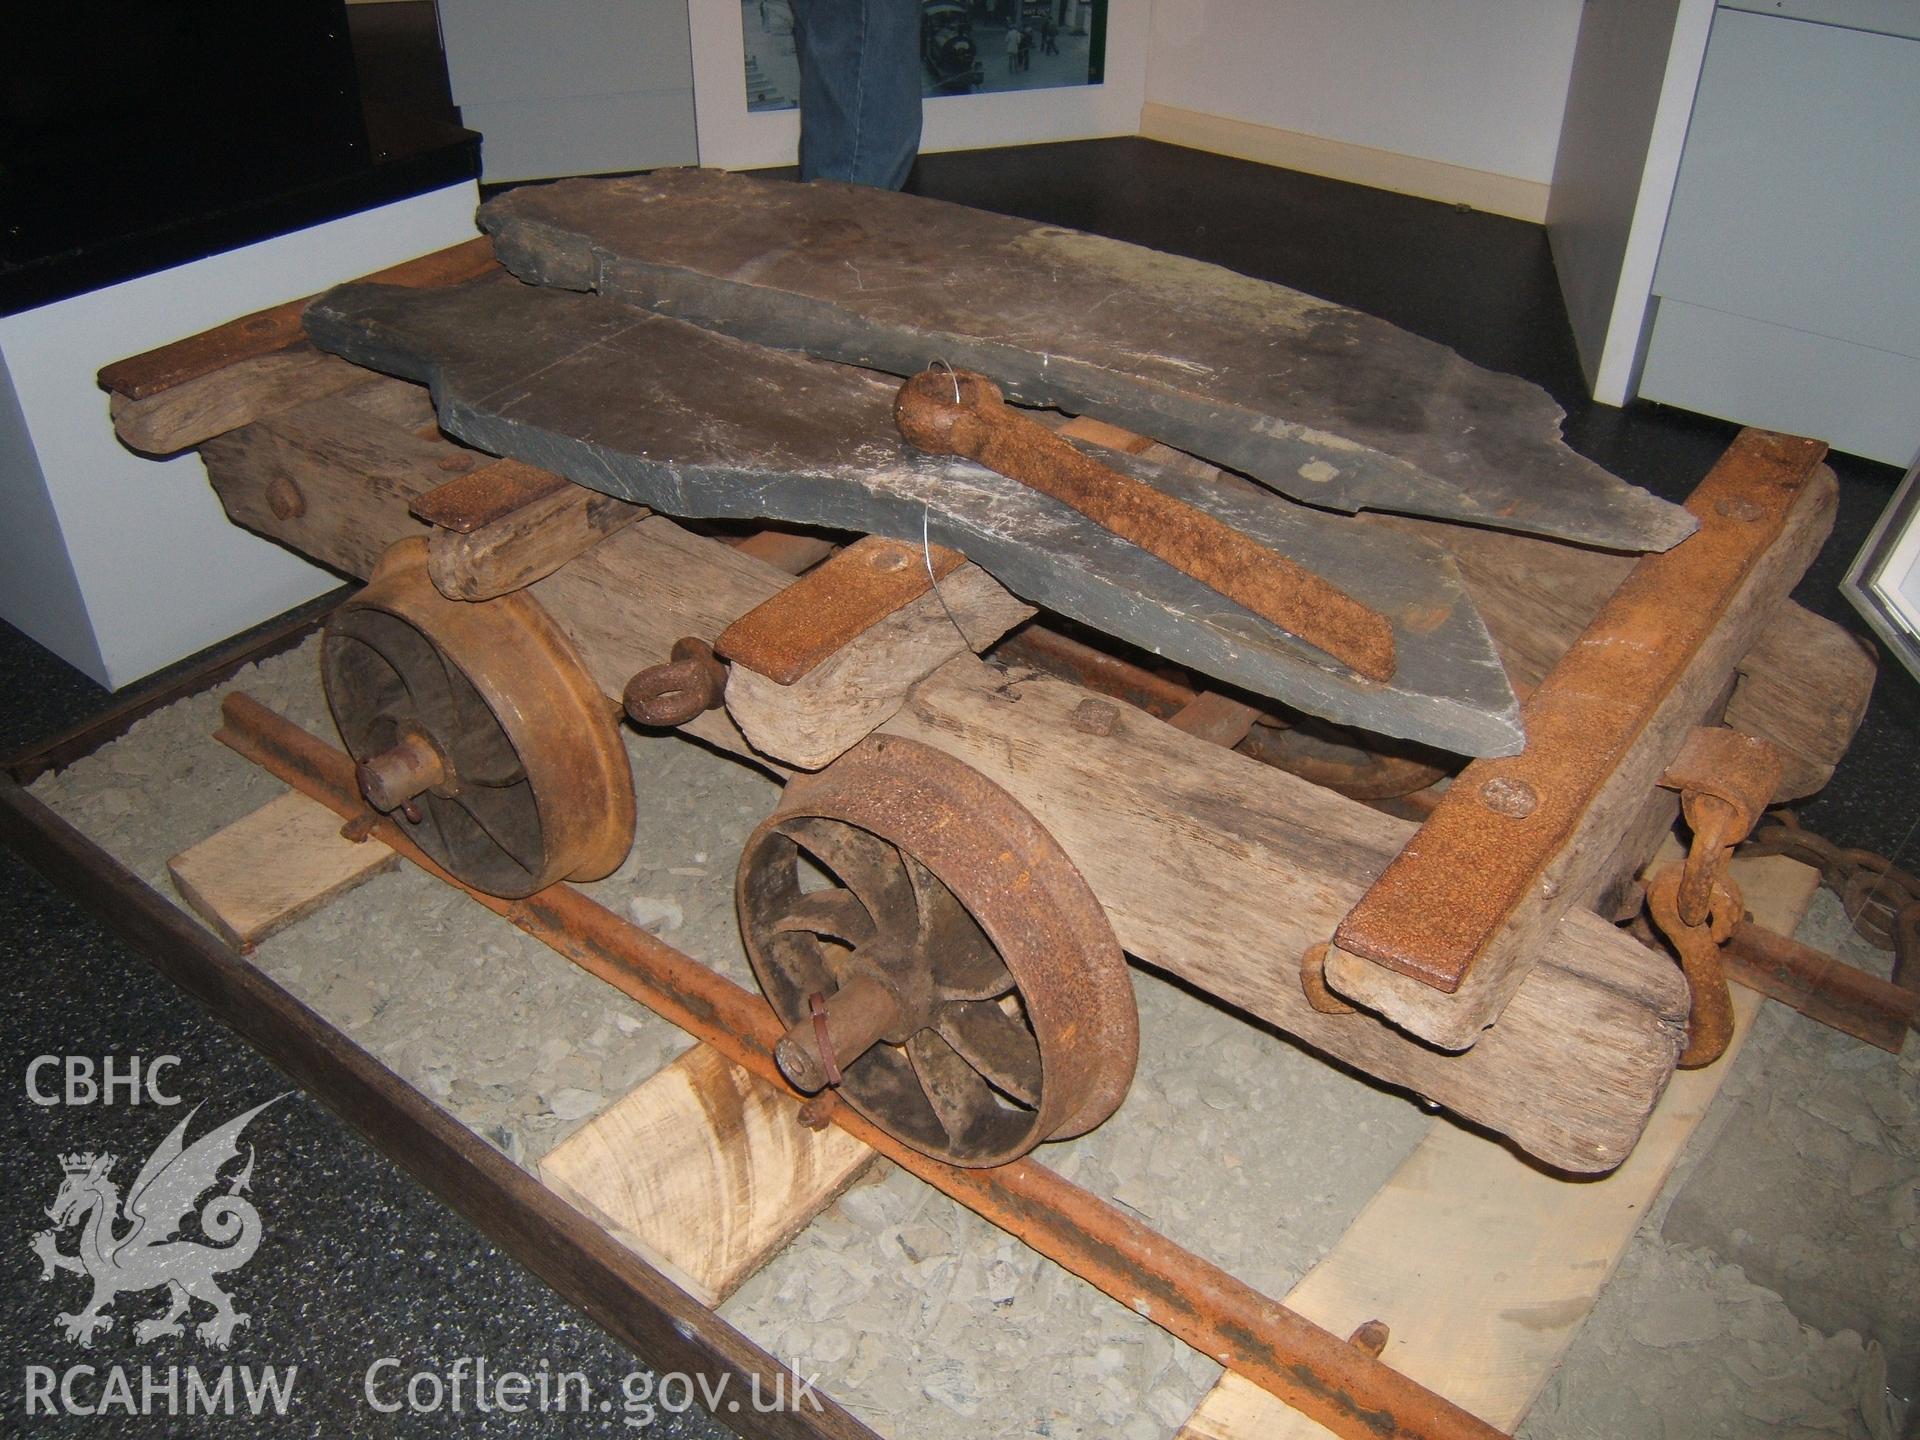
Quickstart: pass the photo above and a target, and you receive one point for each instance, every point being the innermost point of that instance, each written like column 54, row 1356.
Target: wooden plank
column 1482, row 1266
column 628, row 1298
column 196, row 410
column 1334, row 407
column 1441, row 941
column 705, row 1170
column 273, row 867
column 264, row 331
column 862, row 685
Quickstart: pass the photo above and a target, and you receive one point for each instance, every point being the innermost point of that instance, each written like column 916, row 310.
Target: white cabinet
column 1788, row 287
column 1755, row 252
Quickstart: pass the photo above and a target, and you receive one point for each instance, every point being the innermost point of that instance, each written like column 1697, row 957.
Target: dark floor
column 361, row 1262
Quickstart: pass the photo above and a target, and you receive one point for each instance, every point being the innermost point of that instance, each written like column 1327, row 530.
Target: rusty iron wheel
column 929, row 944
column 478, row 723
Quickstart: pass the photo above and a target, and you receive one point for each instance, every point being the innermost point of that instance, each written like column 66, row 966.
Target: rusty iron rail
column 1334, row 1381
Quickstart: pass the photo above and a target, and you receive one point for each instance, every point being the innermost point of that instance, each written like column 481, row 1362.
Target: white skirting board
column 1340, row 160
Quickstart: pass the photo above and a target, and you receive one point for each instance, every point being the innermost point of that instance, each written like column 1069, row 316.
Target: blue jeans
column 859, row 89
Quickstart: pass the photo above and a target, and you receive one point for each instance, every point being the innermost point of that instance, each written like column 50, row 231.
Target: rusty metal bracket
column 1725, row 780
column 1492, row 863
column 690, row 683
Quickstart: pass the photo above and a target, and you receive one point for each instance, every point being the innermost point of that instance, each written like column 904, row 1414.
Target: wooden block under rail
column 1484, row 1267
column 791, row 635
column 278, row 865
column 705, row 1170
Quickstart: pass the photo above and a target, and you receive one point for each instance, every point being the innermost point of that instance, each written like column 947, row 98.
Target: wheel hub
column 477, row 722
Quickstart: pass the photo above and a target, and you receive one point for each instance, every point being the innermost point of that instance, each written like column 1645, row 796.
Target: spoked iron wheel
column 477, row 722
column 936, row 955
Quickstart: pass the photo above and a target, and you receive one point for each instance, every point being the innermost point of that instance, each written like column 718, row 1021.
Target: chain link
column 1873, row 891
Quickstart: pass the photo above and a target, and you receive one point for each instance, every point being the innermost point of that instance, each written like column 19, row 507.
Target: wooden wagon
column 987, row 807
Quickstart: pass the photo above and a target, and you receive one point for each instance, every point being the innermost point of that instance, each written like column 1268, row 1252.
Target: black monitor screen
column 120, row 117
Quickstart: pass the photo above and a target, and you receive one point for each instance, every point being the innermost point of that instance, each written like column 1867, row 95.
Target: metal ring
column 830, row 1067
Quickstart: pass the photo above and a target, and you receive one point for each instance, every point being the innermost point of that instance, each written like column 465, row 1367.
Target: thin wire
column 955, row 374
column 926, row 553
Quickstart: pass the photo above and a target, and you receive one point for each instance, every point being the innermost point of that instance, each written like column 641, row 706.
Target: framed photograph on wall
column 1884, row 582
column 995, row 72
column 967, row 47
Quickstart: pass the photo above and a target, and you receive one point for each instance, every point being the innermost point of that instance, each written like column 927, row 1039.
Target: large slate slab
column 694, row 423
column 1321, row 402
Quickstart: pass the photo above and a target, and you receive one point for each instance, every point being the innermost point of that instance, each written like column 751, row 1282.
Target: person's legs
column 859, row 89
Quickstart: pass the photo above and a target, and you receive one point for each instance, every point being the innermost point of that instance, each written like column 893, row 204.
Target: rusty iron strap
column 793, row 632
column 485, row 496
column 1482, row 852
column 1313, row 1370
column 960, row 413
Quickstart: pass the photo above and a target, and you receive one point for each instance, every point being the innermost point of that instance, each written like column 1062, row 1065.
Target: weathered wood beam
column 517, row 525
column 185, row 415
